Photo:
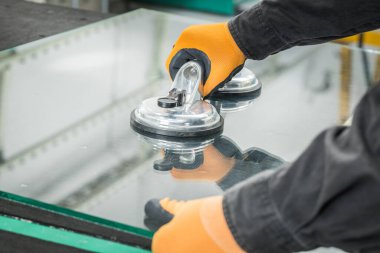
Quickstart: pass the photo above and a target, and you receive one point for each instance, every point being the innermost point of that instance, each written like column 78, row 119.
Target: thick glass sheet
column 65, row 137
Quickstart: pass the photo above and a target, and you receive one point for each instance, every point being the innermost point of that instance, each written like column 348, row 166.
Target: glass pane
column 66, row 102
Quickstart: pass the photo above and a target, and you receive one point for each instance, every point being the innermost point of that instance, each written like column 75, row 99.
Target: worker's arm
column 272, row 26
column 269, row 27
column 328, row 197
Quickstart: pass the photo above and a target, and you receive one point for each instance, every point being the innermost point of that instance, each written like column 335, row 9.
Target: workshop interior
column 93, row 128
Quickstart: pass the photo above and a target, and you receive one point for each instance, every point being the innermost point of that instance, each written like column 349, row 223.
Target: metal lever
column 185, row 87
column 174, row 99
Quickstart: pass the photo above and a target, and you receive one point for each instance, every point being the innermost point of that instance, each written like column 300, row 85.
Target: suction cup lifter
column 182, row 113
column 244, row 82
column 185, row 87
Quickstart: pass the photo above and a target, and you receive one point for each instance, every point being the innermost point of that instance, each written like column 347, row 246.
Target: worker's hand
column 195, row 226
column 212, row 45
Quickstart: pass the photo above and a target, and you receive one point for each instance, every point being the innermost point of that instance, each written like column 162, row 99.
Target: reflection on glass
column 221, row 162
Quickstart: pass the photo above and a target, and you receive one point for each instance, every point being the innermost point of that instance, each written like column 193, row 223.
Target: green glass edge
column 244, row 1
column 218, row 6
column 72, row 213
column 64, row 237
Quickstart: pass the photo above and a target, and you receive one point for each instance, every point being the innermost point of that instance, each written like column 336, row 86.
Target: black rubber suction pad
column 173, row 134
column 243, row 96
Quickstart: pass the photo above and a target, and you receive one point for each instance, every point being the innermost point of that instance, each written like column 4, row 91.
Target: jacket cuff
column 253, row 219
column 254, row 35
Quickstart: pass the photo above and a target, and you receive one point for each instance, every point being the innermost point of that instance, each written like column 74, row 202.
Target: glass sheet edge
column 64, row 237
column 78, row 215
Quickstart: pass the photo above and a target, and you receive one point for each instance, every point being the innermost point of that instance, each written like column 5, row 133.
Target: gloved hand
column 194, row 226
column 213, row 46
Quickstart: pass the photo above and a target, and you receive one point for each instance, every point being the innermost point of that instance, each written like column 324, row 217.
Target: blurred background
column 223, row 7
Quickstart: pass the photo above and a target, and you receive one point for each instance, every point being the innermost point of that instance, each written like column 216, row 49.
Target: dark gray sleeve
column 330, row 196
column 275, row 25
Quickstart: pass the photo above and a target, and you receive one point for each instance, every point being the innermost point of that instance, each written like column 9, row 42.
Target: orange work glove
column 213, row 46
column 196, row 226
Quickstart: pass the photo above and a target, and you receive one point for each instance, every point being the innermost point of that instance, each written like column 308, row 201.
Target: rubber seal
column 149, row 131
column 235, row 96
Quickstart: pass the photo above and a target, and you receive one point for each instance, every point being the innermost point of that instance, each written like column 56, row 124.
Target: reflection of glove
column 254, row 161
column 214, row 167
column 196, row 226
column 212, row 45
column 217, row 160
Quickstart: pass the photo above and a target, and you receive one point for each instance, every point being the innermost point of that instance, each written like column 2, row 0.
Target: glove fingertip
column 155, row 215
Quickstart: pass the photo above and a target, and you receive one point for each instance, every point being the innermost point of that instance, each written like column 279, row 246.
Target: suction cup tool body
column 182, row 113
column 244, row 83
column 237, row 94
